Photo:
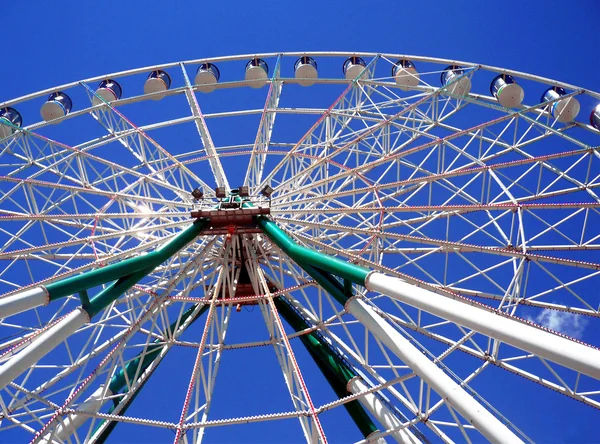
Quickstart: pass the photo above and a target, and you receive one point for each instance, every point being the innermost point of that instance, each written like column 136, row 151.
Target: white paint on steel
column 92, row 404
column 207, row 143
column 42, row 345
column 381, row 411
column 486, row 423
column 548, row 345
column 23, row 301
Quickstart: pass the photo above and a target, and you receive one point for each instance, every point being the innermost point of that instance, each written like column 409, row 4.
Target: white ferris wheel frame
column 201, row 266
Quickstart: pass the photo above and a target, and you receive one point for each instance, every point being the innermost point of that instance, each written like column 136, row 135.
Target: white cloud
column 568, row 323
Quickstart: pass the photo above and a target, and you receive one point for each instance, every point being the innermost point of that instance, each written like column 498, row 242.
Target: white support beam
column 555, row 348
column 209, row 147
column 256, row 165
column 92, row 404
column 451, row 392
column 42, row 345
column 23, row 301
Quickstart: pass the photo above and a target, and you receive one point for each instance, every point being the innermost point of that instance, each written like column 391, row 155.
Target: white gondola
column 305, row 70
column 456, row 86
column 109, row 90
column 58, row 105
column 354, row 67
column 257, row 73
column 564, row 110
column 9, row 116
column 405, row 74
column 207, row 77
column 157, row 83
column 595, row 117
column 507, row 91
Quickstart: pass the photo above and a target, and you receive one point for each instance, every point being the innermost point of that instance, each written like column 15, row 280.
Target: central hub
column 235, row 214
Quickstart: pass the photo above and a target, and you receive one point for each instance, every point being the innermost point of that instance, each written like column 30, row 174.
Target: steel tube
column 74, row 284
column 486, row 423
column 545, row 344
column 66, row 428
column 141, row 264
column 23, row 301
column 43, row 344
column 335, row 371
column 303, row 255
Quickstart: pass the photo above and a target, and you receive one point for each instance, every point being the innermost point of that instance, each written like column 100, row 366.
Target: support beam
column 548, row 345
column 207, row 143
column 66, row 428
column 40, row 295
column 23, row 301
column 555, row 348
column 42, row 345
column 336, row 372
column 303, row 255
column 452, row 393
column 111, row 272
column 311, row 424
column 137, row 366
column 486, row 423
column 113, row 292
column 55, row 335
column 142, row 361
column 50, row 339
column 256, row 165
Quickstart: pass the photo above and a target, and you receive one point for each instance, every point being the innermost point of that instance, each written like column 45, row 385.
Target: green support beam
column 354, row 408
column 138, row 365
column 335, row 370
column 328, row 283
column 125, row 273
column 303, row 255
column 99, row 276
column 113, row 292
column 322, row 268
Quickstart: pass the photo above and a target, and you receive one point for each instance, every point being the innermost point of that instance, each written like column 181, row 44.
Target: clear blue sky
column 51, row 43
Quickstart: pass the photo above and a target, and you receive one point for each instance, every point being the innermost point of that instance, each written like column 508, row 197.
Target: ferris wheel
column 386, row 247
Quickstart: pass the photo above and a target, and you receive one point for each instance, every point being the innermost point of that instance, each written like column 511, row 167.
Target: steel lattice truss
column 492, row 206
